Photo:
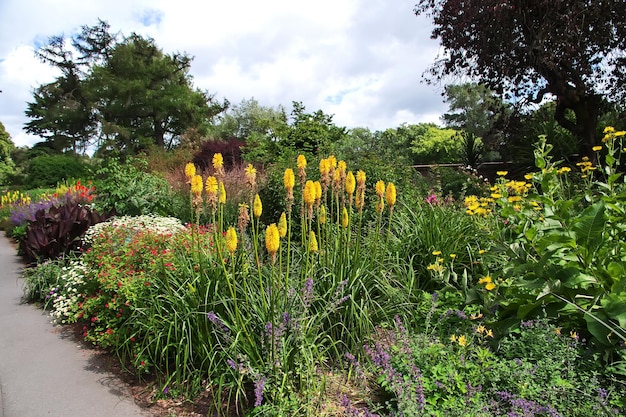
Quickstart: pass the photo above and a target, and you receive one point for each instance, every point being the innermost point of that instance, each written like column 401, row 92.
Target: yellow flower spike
column 318, row 190
column 332, row 161
column 190, row 171
column 231, row 240
column 345, row 219
column 342, row 166
column 282, row 225
column 336, row 179
column 390, row 195
column 250, row 173
column 257, row 206
column 350, row 183
column 272, row 240
column 324, row 167
column 211, row 185
column 196, row 185
column 360, row 178
column 301, row 162
column 380, row 188
column 322, row 215
column 289, row 180
column 218, row 161
column 596, row 148
column 222, row 193
column 308, row 193
column 312, row 242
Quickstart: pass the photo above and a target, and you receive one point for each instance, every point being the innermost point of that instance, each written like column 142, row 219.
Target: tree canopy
column 6, row 147
column 122, row 96
column 573, row 50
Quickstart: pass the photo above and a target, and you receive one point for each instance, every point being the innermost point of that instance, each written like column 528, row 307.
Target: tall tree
column 7, row 166
column 128, row 93
column 61, row 112
column 573, row 50
column 143, row 96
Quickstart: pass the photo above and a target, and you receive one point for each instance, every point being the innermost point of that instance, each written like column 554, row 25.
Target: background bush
column 49, row 170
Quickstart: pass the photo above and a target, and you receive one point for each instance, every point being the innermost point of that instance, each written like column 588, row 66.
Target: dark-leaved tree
column 573, row 50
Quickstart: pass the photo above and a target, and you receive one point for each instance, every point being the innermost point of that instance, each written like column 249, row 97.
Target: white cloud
column 360, row 60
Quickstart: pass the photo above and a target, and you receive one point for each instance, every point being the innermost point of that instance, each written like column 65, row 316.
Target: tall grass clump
column 252, row 312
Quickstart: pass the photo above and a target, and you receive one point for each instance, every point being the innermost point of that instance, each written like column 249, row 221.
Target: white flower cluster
column 65, row 298
column 156, row 224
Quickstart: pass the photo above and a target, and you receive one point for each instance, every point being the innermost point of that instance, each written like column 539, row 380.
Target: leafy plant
column 57, row 231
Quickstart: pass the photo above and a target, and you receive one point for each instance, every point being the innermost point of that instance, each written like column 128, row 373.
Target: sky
column 359, row 60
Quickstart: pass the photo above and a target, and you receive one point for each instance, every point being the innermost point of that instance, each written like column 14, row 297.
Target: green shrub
column 128, row 190
column 49, row 170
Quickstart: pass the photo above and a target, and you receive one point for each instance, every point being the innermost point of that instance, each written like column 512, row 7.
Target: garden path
column 43, row 372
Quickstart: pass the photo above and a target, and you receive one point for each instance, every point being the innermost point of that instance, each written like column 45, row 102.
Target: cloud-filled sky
column 358, row 60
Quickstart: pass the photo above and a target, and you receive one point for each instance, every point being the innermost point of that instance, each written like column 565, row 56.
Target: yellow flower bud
column 231, row 240
column 342, row 166
column 257, row 207
column 380, row 189
column 318, row 190
column 324, row 167
column 289, row 179
column 250, row 173
column 312, row 242
column 309, row 193
column 391, row 194
column 190, row 171
column 196, row 185
column 218, row 161
column 272, row 239
column 322, row 215
column 301, row 163
column 350, row 183
column 360, row 178
column 211, row 185
column 345, row 219
column 282, row 225
column 222, row 194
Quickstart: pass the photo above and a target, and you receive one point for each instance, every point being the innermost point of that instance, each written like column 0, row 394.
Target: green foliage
column 43, row 280
column 429, row 232
column 127, row 189
column 563, row 253
column 432, row 145
column 535, row 372
column 473, row 108
column 128, row 91
column 50, row 170
column 7, row 166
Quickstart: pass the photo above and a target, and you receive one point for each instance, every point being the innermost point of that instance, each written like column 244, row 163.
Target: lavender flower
column 259, row 387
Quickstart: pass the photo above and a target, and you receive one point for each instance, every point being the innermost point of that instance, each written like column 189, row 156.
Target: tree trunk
column 587, row 110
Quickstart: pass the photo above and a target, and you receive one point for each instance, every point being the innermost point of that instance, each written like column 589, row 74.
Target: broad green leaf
column 589, row 226
column 615, row 308
column 596, row 328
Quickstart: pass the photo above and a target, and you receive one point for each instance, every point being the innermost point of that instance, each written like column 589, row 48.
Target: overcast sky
column 359, row 60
